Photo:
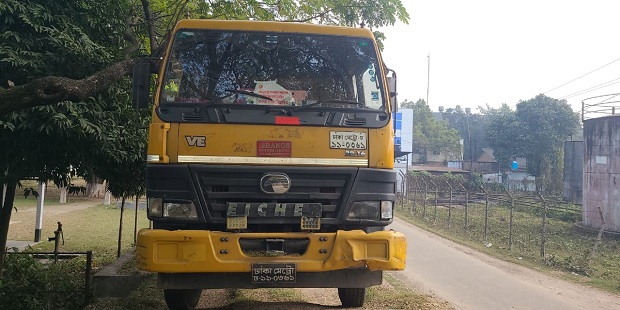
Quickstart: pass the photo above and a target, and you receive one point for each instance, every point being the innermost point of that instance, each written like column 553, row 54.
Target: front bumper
column 198, row 251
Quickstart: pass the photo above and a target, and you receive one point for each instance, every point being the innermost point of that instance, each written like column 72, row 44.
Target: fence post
column 403, row 188
column 435, row 210
column 466, row 206
column 425, row 198
column 486, row 213
column 544, row 226
column 415, row 195
column 449, row 206
column 89, row 262
column 512, row 206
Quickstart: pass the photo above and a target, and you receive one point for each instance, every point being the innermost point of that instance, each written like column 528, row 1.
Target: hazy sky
column 493, row 52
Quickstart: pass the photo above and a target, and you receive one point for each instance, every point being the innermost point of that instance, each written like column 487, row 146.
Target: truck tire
column 352, row 297
column 182, row 299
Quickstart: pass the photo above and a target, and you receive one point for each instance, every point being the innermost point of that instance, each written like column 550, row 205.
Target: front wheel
column 352, row 297
column 182, row 299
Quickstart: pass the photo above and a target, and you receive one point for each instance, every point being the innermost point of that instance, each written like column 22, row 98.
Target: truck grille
column 220, row 186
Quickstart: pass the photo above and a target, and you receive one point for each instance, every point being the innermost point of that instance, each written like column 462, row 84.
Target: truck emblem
column 200, row 141
column 275, row 183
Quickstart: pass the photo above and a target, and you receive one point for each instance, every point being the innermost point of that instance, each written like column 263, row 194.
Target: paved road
column 471, row 280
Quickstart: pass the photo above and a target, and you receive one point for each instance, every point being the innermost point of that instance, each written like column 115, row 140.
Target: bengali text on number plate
column 274, row 273
column 351, row 140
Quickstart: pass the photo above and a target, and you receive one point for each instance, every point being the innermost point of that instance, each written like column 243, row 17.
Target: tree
column 430, row 134
column 505, row 135
column 472, row 129
column 536, row 130
column 547, row 123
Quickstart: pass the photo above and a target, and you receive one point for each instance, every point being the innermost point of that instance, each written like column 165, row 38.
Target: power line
column 593, row 88
column 581, row 76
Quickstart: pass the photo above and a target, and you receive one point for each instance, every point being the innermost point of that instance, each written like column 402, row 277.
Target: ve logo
column 200, row 141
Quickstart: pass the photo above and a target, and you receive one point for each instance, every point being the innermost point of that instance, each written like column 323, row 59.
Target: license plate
column 351, row 140
column 274, row 273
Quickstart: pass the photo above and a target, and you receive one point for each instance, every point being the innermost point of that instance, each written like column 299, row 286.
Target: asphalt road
column 472, row 280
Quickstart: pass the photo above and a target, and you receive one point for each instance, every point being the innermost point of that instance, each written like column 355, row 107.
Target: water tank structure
column 601, row 164
column 573, row 171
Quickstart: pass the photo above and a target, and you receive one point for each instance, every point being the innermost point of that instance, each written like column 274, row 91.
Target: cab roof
column 284, row 27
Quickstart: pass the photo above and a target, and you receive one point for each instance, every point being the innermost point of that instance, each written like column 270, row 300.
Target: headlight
column 176, row 209
column 365, row 210
column 371, row 210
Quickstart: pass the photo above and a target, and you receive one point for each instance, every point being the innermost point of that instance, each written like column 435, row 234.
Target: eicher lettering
column 273, row 209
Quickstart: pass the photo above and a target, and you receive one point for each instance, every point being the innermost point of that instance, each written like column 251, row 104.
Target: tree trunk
column 5, row 219
column 135, row 221
column 95, row 187
column 120, row 228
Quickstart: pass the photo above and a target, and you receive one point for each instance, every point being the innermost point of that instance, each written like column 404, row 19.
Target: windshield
column 257, row 68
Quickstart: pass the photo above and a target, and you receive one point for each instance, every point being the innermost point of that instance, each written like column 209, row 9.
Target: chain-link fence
column 523, row 224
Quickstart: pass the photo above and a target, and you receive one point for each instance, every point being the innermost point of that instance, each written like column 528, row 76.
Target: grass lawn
column 86, row 227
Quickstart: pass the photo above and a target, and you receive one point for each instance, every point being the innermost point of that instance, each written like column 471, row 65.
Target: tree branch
column 53, row 89
column 149, row 23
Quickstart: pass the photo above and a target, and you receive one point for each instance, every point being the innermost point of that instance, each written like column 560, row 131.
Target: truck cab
column 270, row 161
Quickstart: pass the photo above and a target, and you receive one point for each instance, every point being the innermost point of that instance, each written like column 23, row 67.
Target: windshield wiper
column 342, row 101
column 248, row 93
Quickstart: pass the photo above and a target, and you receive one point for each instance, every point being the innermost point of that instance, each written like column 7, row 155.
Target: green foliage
column 31, row 284
column 505, row 135
column 430, row 134
column 546, row 123
column 374, row 14
column 536, row 130
column 64, row 38
column 472, row 128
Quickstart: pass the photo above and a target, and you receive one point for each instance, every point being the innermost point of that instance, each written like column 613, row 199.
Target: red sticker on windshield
column 273, row 148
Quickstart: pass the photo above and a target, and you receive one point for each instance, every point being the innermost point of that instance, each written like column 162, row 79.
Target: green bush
column 28, row 283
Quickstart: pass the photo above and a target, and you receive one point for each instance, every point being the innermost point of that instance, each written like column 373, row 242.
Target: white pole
column 3, row 195
column 428, row 78
column 39, row 220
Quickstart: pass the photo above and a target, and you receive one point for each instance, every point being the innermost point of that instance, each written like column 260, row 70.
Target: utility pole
column 471, row 155
column 428, row 77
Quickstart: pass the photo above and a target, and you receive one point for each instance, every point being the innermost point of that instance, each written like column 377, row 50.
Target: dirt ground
column 23, row 217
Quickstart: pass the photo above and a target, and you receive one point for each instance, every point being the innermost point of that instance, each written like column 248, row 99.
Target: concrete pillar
column 39, row 220
column 107, row 197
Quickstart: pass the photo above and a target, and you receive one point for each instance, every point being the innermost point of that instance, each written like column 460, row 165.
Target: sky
column 485, row 52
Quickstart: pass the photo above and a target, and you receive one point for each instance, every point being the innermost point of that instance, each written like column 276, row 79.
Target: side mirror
column 141, row 85
column 391, row 80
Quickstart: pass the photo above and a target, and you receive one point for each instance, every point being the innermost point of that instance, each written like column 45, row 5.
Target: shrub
column 28, row 283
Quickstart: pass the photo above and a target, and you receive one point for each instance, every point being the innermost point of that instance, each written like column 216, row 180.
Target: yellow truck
column 269, row 161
